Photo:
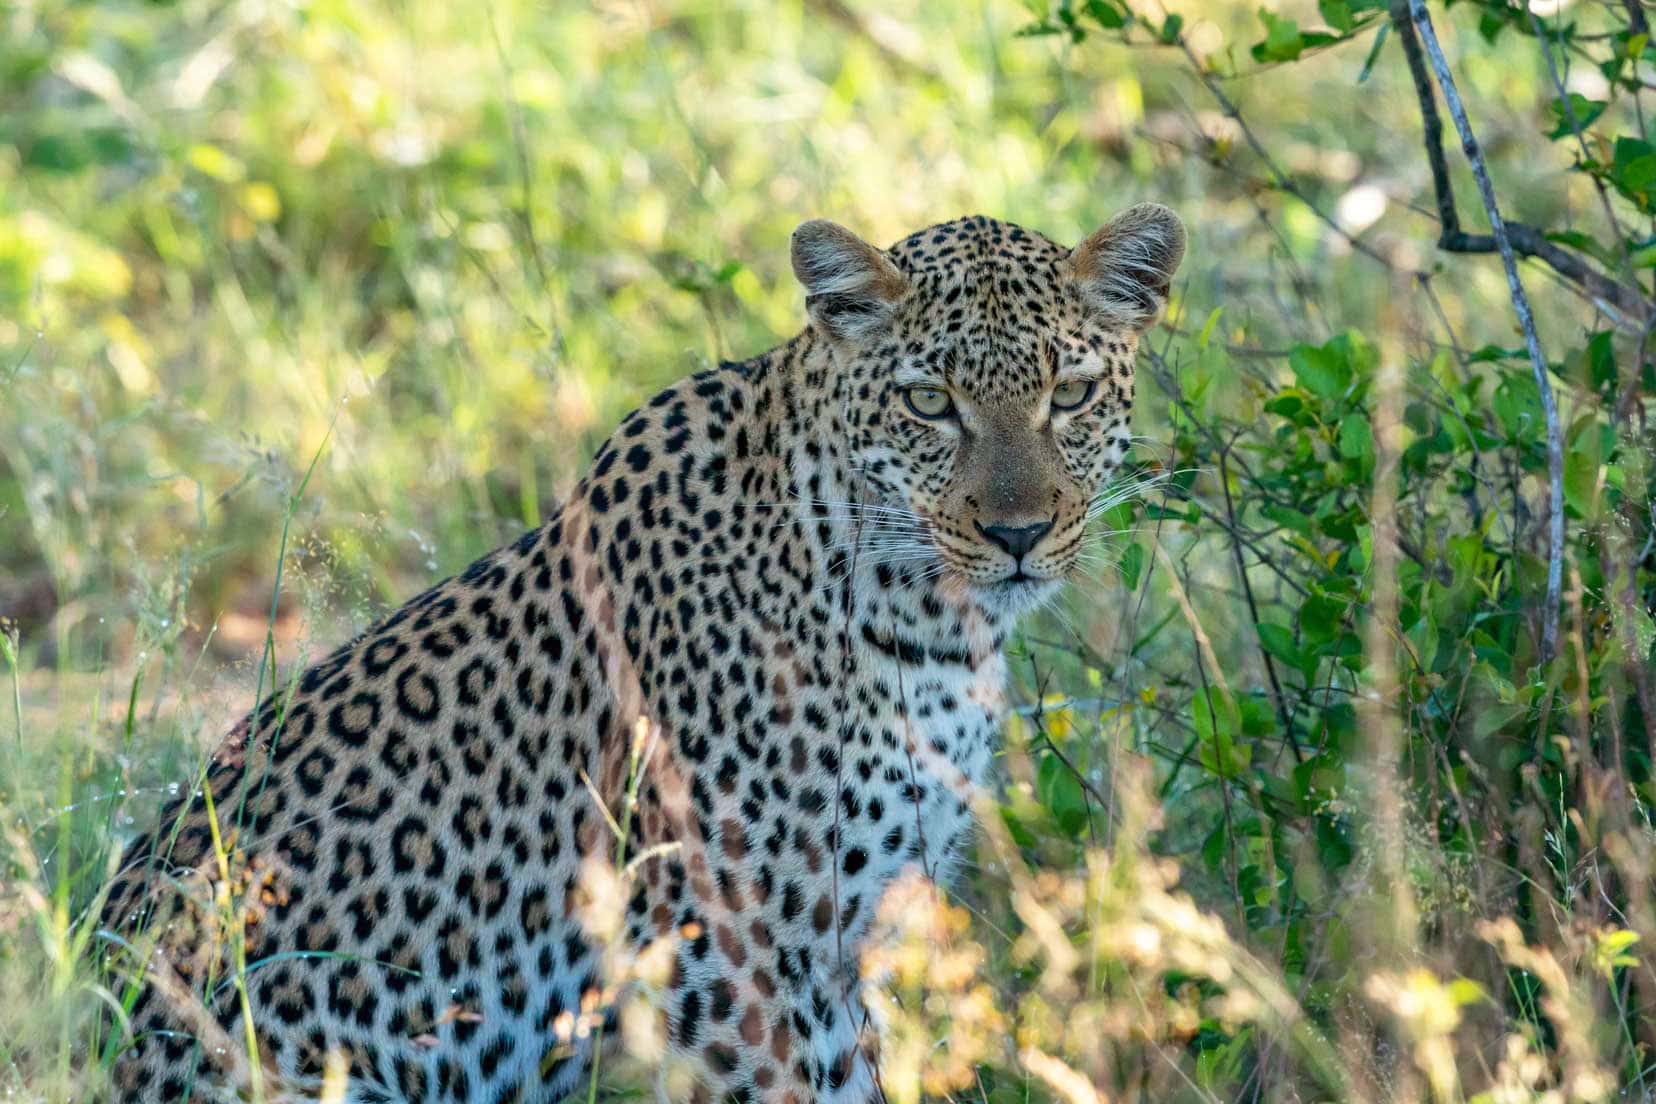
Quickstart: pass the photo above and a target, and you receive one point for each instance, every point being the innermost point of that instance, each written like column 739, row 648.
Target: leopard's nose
column 1015, row 540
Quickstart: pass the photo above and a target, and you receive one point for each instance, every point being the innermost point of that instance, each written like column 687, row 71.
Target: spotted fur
column 773, row 609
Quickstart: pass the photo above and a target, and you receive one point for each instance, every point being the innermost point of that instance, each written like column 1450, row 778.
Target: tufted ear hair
column 851, row 288
column 1124, row 269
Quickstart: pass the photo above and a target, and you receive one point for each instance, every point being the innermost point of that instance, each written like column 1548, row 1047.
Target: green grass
column 305, row 306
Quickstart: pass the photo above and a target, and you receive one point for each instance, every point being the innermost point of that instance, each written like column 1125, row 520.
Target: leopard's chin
column 1016, row 594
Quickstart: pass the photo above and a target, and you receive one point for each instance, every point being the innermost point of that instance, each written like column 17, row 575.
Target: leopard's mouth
column 1027, row 571
column 1015, row 593
column 997, row 582
column 1005, row 576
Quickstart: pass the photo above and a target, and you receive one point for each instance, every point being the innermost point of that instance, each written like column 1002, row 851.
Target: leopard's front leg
column 796, row 1048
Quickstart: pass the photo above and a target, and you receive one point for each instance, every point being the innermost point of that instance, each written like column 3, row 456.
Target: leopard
column 672, row 745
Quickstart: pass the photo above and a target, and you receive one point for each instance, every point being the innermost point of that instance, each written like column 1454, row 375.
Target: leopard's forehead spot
column 991, row 309
column 977, row 239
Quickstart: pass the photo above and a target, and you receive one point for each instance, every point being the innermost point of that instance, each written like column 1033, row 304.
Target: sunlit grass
column 303, row 306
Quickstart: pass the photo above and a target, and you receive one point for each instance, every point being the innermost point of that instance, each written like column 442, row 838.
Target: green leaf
column 1348, row 649
column 1289, row 518
column 1215, row 717
column 1642, row 256
column 1582, row 460
column 1214, row 847
column 1213, row 714
column 1131, row 565
column 1633, row 170
column 58, row 153
column 1283, row 41
column 1322, row 370
column 1373, row 54
column 1588, row 244
column 1498, row 684
column 1047, row 27
column 1287, row 404
column 1207, row 327
column 1105, row 14
column 1118, row 518
column 1337, row 14
column 1170, row 29
column 1601, row 358
column 1021, row 835
column 1319, row 619
column 1357, row 441
column 1423, row 636
column 1333, row 843
column 1257, row 718
column 1219, row 1064
column 74, row 151
column 1517, row 403
column 1585, row 111
column 1060, row 791
column 1279, row 641
column 1489, row 354
column 1155, row 511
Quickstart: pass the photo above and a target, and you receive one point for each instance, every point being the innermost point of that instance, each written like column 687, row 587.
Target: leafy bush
column 1317, row 789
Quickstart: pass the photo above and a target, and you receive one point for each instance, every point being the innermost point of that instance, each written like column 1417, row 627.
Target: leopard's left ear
column 851, row 288
column 1123, row 271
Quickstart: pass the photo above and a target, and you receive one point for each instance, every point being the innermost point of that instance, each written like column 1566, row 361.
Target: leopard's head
column 985, row 375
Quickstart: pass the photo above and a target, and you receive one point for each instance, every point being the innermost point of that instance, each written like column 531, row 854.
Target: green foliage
column 1495, row 739
column 445, row 249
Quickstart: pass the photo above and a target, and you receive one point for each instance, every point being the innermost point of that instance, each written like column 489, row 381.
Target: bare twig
column 1627, row 305
column 1628, row 385
column 1624, row 305
column 1636, row 16
column 1279, row 177
column 1568, row 108
column 1283, row 712
column 1521, row 307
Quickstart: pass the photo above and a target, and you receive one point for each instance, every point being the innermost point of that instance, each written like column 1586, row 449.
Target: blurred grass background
column 466, row 241
column 440, row 249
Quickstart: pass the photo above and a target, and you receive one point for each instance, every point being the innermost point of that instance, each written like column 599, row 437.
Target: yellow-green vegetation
column 1331, row 782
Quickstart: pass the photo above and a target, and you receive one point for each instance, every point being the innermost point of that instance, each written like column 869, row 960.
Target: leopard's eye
column 929, row 402
column 1074, row 393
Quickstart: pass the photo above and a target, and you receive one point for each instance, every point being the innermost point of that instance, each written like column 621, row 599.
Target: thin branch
column 1283, row 712
column 1521, row 307
column 1628, row 388
column 1627, row 305
column 1636, row 16
column 1568, row 108
column 1279, row 177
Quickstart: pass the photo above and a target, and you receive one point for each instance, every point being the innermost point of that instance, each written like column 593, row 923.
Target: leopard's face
column 1000, row 418
column 987, row 381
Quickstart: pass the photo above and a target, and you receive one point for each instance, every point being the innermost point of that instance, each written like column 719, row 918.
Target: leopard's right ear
column 1124, row 270
column 851, row 288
